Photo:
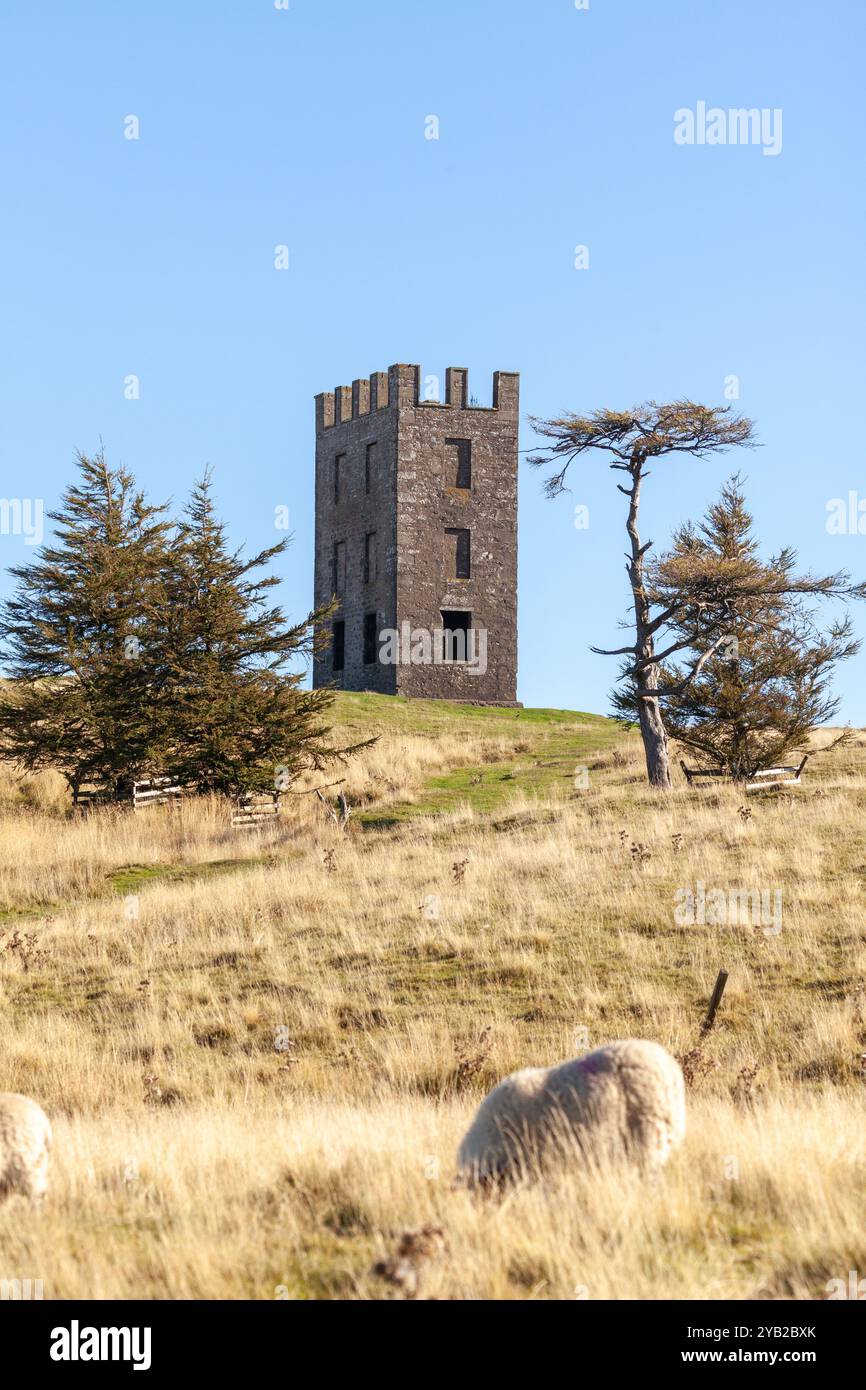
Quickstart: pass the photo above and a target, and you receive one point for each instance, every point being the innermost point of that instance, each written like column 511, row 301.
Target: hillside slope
column 259, row 1051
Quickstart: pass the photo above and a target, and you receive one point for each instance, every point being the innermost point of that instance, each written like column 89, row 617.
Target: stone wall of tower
column 429, row 504
column 416, row 506
column 348, row 421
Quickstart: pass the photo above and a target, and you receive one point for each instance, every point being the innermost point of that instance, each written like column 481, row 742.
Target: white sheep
column 627, row 1098
column 25, row 1143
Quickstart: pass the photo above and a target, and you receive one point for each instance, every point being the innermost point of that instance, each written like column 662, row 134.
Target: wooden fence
column 85, row 798
column 156, row 792
column 766, row 779
column 255, row 808
column 248, row 810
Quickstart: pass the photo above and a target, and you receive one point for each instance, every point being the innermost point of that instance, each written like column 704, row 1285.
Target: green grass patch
column 13, row 916
column 551, row 744
column 132, row 877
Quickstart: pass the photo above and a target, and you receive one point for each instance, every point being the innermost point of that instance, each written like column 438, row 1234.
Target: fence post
column 715, row 1001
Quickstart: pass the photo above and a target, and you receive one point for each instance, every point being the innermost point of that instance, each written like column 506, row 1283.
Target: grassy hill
column 260, row 1049
column 526, row 750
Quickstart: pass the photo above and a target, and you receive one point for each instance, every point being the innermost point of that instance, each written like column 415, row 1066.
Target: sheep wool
column 627, row 1098
column 25, row 1143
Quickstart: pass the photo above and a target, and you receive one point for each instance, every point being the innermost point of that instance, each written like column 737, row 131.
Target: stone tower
column 416, row 535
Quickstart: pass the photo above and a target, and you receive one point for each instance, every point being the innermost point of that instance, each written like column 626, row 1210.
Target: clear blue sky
column 260, row 127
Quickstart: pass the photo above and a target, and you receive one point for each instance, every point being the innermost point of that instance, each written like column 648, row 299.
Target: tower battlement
column 401, row 385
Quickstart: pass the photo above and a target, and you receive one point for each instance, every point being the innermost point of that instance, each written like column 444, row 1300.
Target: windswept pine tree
column 233, row 715
column 745, row 670
column 634, row 440
column 76, row 635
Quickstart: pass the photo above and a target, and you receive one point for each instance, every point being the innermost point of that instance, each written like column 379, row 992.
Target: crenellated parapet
column 400, row 387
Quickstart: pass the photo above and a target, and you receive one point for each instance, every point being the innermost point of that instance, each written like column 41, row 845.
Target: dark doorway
column 456, row 626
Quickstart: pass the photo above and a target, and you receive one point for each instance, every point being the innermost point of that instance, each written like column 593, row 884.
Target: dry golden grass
column 259, row 1051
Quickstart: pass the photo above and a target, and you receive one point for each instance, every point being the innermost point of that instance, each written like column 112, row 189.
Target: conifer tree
column 74, row 636
column 766, row 682
column 233, row 716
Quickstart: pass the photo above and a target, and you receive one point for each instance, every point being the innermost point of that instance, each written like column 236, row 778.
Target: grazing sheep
column 25, row 1142
column 624, row 1099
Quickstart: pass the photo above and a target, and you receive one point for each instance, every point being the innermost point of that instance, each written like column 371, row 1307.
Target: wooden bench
column 766, row 779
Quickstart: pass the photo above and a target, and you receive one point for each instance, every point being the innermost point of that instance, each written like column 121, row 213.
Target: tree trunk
column 655, row 744
column 652, row 727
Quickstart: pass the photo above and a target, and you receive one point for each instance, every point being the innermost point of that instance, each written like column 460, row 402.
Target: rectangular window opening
column 338, row 567
column 456, row 626
column 369, row 466
column 339, row 462
column 371, row 634
column 458, row 472
column 459, row 565
column 338, row 645
column 370, row 557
